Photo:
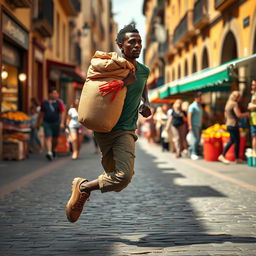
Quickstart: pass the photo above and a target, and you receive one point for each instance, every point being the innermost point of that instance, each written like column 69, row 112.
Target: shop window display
column 9, row 88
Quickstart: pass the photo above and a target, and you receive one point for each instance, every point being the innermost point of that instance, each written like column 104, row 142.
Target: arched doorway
column 186, row 68
column 229, row 49
column 205, row 59
column 194, row 64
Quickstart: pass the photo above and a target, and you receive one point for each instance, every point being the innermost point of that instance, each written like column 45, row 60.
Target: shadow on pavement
column 153, row 212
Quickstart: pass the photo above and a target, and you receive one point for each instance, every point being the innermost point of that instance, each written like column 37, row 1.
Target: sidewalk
column 241, row 172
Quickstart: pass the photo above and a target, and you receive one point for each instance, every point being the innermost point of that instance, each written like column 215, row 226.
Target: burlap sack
column 96, row 112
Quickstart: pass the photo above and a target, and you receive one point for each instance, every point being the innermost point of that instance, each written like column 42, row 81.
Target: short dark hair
column 198, row 95
column 51, row 89
column 131, row 28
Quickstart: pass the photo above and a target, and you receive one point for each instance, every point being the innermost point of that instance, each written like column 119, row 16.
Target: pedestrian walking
column 195, row 113
column 252, row 108
column 74, row 129
column 52, row 113
column 176, row 122
column 34, row 141
column 232, row 115
column 149, row 127
column 161, row 121
column 34, row 102
column 118, row 145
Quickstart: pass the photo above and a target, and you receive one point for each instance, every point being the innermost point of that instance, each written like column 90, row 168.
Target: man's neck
column 133, row 61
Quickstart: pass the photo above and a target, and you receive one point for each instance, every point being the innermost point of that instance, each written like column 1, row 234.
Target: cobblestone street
column 172, row 207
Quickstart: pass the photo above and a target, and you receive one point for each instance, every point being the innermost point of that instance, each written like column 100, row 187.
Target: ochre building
column 184, row 37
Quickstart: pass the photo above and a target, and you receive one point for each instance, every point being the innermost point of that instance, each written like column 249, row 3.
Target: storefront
column 14, row 65
column 66, row 78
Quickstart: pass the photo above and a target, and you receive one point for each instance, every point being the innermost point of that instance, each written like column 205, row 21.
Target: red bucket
column 212, row 148
column 230, row 155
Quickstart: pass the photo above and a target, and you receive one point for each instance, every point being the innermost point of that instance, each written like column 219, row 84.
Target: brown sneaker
column 77, row 200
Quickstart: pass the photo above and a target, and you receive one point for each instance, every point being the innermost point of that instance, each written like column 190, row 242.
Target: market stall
column 215, row 138
column 16, row 132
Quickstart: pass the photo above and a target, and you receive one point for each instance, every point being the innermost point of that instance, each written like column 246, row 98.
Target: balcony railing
column 43, row 23
column 20, row 3
column 222, row 4
column 184, row 29
column 200, row 14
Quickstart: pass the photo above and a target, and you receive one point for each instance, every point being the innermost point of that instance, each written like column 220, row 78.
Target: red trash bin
column 212, row 148
column 230, row 155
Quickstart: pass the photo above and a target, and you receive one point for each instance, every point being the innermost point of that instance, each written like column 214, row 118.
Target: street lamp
column 22, row 77
column 4, row 74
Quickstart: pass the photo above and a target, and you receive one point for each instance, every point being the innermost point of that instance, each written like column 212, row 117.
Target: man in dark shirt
column 118, row 145
column 53, row 114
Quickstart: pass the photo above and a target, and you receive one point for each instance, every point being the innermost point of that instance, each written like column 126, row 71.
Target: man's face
column 54, row 95
column 199, row 99
column 131, row 46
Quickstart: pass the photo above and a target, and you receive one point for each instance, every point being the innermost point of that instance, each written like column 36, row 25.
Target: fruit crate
column 14, row 150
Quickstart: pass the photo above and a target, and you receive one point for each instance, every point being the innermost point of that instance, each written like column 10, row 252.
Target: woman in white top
column 75, row 129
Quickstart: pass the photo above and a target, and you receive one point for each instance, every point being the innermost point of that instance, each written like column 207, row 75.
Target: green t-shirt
column 129, row 115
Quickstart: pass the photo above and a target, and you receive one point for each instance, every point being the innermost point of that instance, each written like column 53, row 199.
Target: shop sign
column 10, row 55
column 15, row 31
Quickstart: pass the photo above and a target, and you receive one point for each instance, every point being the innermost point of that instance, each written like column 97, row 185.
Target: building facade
column 49, row 43
column 187, row 36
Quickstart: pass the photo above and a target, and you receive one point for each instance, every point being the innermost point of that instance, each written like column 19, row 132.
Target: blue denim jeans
column 196, row 131
column 234, row 139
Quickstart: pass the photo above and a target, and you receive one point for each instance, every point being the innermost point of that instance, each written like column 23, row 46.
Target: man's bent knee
column 124, row 180
column 116, row 181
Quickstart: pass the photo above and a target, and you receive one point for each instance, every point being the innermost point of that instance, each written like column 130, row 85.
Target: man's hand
column 144, row 110
column 129, row 79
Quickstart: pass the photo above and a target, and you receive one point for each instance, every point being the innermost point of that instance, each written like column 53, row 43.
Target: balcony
column 220, row 5
column 200, row 14
column 20, row 3
column 184, row 30
column 171, row 50
column 71, row 7
column 43, row 23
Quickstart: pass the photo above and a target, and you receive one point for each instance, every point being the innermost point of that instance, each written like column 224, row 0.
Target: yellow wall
column 212, row 38
column 216, row 36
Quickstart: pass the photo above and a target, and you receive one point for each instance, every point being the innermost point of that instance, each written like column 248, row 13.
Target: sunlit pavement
column 172, row 207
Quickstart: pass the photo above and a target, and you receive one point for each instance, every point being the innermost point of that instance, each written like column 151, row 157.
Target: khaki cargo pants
column 118, row 148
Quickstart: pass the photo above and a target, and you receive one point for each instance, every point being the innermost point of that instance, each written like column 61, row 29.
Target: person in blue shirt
column 195, row 114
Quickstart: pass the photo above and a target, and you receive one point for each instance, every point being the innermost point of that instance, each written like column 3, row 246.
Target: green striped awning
column 207, row 80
